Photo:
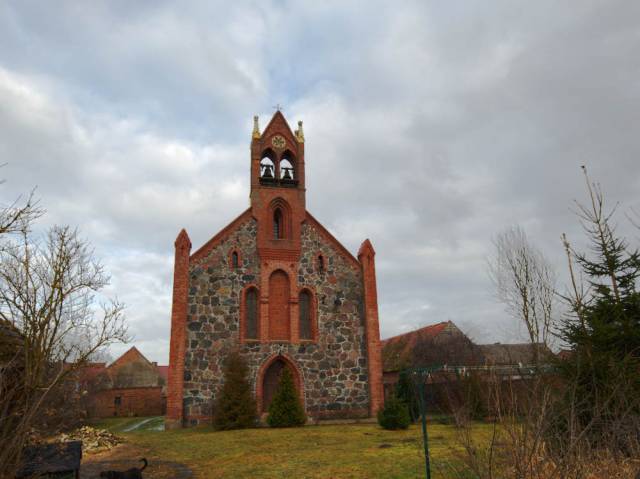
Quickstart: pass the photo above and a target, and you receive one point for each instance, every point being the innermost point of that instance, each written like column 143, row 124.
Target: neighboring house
column 499, row 354
column 277, row 287
column 437, row 344
column 130, row 386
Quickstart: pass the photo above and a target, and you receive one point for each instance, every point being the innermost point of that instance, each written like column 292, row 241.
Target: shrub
column 236, row 407
column 285, row 409
column 394, row 415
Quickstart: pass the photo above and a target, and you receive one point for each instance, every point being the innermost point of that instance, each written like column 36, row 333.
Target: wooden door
column 271, row 381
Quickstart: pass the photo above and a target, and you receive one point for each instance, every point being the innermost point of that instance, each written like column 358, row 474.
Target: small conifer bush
column 285, row 409
column 236, row 406
column 394, row 415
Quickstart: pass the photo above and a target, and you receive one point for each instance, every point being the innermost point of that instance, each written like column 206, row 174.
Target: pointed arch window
column 320, row 263
column 235, row 262
column 277, row 224
column 306, row 326
column 251, row 314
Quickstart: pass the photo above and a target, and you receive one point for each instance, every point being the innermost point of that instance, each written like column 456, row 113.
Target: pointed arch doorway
column 269, row 378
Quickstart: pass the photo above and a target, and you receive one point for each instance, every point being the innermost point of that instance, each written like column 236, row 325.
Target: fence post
column 423, row 416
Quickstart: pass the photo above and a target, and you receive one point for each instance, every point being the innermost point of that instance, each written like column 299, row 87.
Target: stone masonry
column 312, row 309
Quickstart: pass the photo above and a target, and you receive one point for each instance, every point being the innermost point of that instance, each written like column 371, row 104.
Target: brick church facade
column 278, row 288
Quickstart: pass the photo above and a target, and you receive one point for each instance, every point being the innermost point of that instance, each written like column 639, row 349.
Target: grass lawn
column 336, row 451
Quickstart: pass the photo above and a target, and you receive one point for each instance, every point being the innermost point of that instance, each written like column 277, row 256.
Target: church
column 280, row 289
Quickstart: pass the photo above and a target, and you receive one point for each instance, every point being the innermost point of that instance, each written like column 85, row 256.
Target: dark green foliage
column 394, row 415
column 285, row 409
column 406, row 392
column 603, row 369
column 475, row 393
column 236, row 407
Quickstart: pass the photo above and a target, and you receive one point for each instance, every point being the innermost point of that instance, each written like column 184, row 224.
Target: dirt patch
column 126, row 456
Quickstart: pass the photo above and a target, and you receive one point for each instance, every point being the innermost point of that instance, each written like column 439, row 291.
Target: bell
column 287, row 174
column 267, row 172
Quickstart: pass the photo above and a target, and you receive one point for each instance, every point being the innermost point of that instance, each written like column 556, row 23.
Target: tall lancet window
column 251, row 314
column 277, row 224
column 305, row 315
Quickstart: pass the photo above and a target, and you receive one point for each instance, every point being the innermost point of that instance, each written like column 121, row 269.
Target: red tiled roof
column 411, row 338
column 163, row 371
column 398, row 349
column 91, row 370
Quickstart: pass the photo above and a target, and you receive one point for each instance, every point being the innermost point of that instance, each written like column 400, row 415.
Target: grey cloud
column 430, row 127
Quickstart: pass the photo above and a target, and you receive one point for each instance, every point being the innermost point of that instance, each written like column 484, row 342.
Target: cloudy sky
column 430, row 127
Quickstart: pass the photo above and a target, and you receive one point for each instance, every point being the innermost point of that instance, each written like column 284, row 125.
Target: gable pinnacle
column 300, row 133
column 256, row 128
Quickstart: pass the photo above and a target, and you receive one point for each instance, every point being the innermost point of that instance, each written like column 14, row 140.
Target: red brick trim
column 298, row 378
column 204, row 250
column 243, row 314
column 278, row 125
column 366, row 256
column 177, row 345
column 332, row 239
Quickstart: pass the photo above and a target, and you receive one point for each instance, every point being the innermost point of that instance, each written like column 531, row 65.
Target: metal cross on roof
column 278, row 107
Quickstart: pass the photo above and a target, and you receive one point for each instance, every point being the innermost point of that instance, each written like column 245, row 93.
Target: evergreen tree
column 285, row 409
column 405, row 391
column 236, row 407
column 394, row 415
column 604, row 331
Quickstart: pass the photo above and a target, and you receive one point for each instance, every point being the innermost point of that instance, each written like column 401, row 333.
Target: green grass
column 125, row 424
column 336, row 451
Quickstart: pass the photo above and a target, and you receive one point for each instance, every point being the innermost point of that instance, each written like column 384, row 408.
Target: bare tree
column 525, row 282
column 49, row 300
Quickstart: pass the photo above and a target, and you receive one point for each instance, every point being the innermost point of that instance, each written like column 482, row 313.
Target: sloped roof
column 397, row 350
column 519, row 353
column 331, row 239
column 277, row 123
column 204, row 250
column 131, row 355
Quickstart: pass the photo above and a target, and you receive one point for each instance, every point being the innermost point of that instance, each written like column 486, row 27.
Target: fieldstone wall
column 333, row 369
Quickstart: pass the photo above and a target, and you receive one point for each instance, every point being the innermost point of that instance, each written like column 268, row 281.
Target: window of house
column 234, row 260
column 320, row 264
column 251, row 314
column 305, row 315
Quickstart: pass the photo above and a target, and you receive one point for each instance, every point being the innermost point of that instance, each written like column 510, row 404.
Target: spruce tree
column 236, row 407
column 405, row 391
column 285, row 409
column 394, row 415
column 604, row 330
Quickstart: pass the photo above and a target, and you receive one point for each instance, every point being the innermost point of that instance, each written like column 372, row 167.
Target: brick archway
column 275, row 364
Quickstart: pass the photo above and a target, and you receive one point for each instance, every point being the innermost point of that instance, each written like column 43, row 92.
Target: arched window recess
column 250, row 314
column 281, row 219
column 307, row 316
column 278, row 229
